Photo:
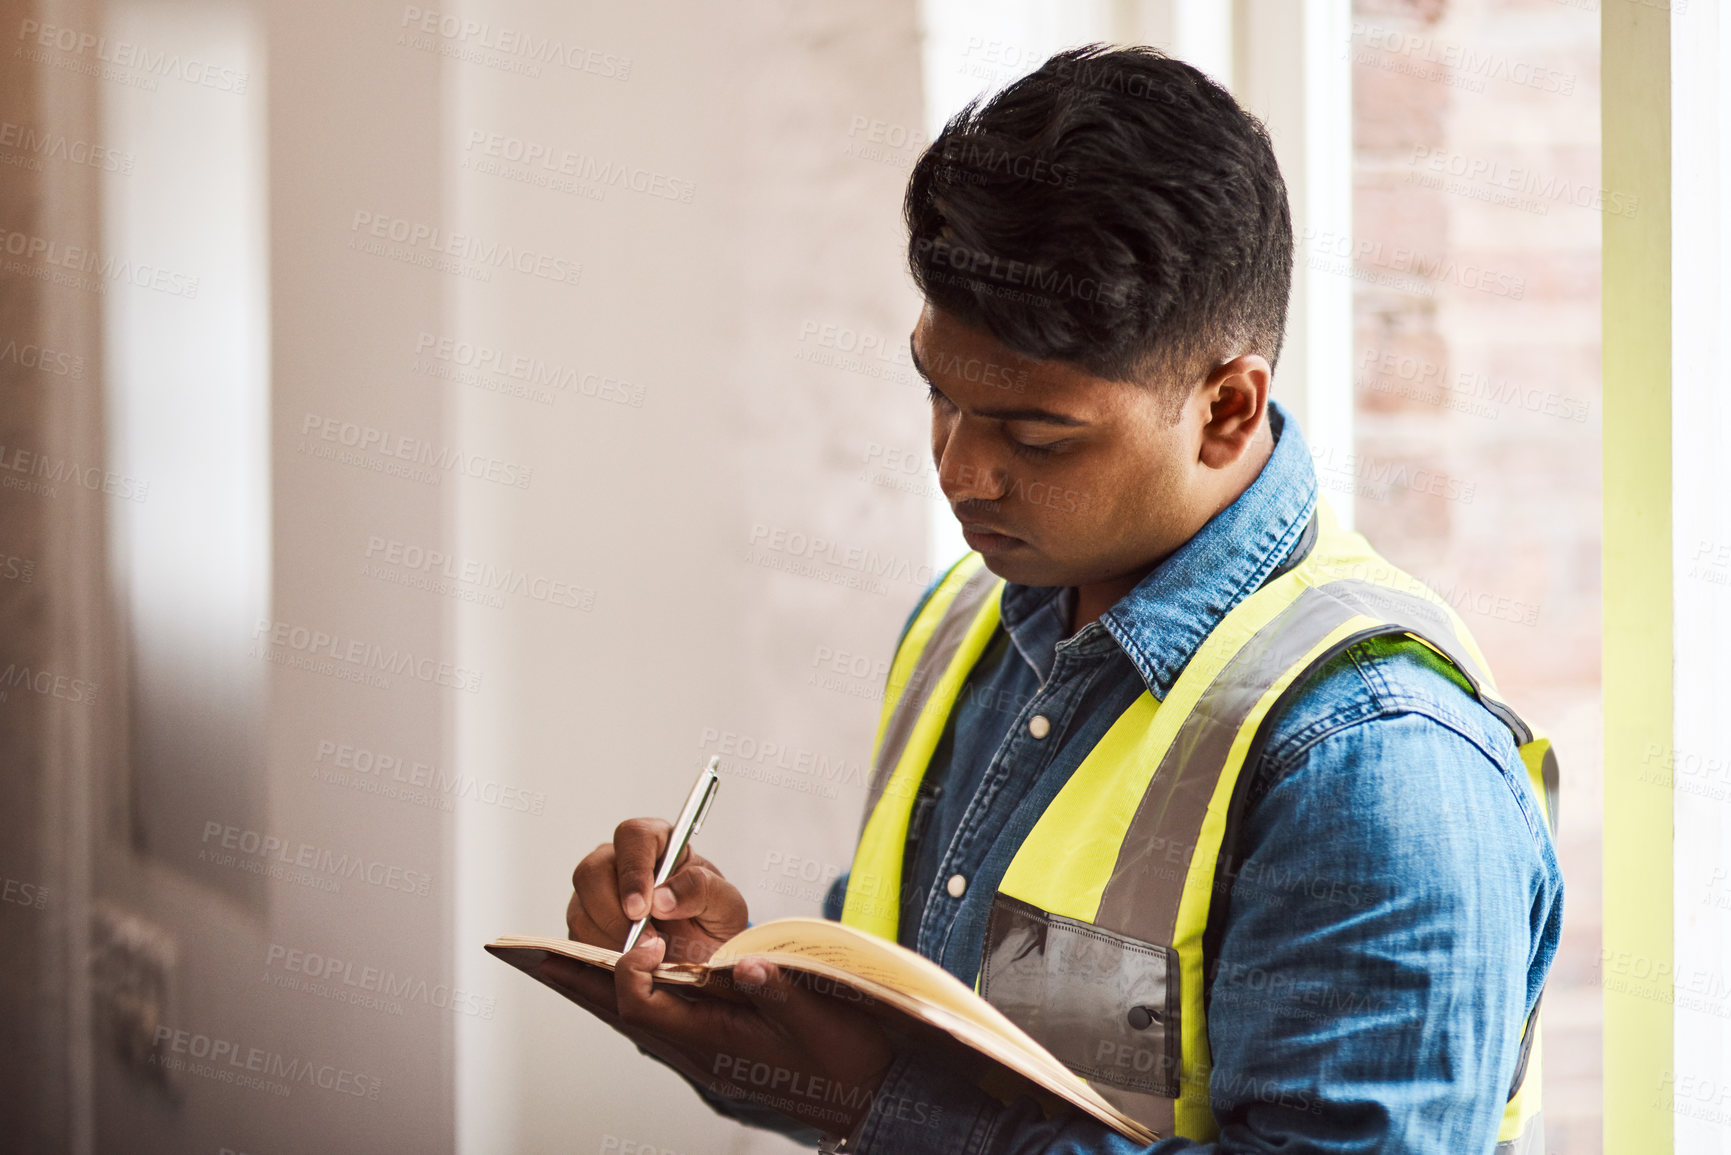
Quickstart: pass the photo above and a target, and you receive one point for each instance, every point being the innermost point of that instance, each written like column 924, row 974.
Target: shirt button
column 1038, row 726
column 957, row 886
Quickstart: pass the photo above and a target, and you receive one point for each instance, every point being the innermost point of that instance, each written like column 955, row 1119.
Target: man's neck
column 1094, row 600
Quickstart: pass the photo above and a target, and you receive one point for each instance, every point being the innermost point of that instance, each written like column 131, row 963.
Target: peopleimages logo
column 793, row 876
column 230, row 1062
column 1520, row 180
column 1466, row 62
column 538, row 156
column 52, row 471
column 46, row 683
column 43, row 360
column 358, row 657
column 1427, row 270
column 155, row 62
column 1384, row 473
column 57, row 146
column 507, row 42
column 780, row 763
column 485, row 576
column 1467, row 391
column 417, row 236
column 537, row 375
column 22, row 893
column 1036, row 281
column 394, row 447
column 355, row 765
column 370, row 987
column 855, row 559
column 256, row 845
column 54, row 256
column 969, row 162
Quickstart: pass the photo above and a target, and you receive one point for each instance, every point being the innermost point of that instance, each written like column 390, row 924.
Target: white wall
column 795, row 127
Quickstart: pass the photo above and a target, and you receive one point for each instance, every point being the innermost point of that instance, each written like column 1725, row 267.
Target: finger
column 603, row 927
column 700, row 893
column 580, row 926
column 637, row 845
column 646, row 1008
column 594, row 913
column 635, row 998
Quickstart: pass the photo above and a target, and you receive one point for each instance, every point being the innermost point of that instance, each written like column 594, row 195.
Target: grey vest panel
column 946, row 639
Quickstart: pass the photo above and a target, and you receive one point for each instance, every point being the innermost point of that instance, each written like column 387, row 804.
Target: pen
column 684, row 830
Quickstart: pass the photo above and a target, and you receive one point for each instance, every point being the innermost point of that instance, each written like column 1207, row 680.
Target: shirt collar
column 1163, row 621
column 1037, row 618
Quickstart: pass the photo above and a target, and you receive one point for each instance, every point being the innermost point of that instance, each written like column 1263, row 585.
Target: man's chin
column 1024, row 566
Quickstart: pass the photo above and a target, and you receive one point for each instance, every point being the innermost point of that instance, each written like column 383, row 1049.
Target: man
column 1219, row 806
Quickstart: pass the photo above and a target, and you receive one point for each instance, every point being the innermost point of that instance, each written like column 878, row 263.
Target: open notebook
column 900, row 981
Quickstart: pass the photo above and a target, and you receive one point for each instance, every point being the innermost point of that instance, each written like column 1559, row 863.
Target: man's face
column 1057, row 477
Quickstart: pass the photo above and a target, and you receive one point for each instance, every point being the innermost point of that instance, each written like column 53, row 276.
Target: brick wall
column 1477, row 211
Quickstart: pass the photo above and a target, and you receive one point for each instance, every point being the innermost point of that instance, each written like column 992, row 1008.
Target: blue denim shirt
column 1397, row 909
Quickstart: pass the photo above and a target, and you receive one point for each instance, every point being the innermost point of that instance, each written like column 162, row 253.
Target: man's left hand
column 774, row 1042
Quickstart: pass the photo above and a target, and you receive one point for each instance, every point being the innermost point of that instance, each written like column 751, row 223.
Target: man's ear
column 1236, row 394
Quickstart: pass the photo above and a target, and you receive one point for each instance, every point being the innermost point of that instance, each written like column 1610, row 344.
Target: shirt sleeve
column 1388, row 931
column 835, row 898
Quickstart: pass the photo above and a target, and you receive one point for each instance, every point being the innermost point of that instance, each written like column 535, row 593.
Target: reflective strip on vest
column 1529, row 1139
column 1096, row 938
column 942, row 646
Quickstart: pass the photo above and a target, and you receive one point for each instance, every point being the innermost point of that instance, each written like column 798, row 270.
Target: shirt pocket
column 1105, row 1004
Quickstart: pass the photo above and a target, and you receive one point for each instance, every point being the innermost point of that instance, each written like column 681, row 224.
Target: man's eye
column 934, row 396
column 1036, row 451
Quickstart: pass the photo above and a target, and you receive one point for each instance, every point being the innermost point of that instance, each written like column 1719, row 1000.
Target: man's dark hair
column 1115, row 210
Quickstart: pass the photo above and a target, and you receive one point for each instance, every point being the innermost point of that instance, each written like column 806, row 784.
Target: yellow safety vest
column 1098, row 938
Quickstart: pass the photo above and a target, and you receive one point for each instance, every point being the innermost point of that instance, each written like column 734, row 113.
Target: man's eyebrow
column 1023, row 413
column 1029, row 413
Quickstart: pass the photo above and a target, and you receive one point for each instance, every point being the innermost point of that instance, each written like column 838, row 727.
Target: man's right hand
column 695, row 910
column 766, row 1020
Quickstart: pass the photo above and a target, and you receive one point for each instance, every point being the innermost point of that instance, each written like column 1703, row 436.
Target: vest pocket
column 1106, row 1005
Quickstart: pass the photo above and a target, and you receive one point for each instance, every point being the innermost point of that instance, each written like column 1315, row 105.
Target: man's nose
column 969, row 469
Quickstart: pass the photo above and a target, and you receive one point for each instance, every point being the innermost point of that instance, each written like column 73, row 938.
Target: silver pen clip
column 708, row 800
